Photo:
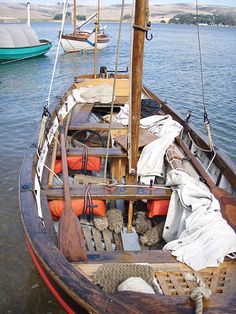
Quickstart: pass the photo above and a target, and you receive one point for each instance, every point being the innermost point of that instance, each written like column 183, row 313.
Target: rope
column 206, row 120
column 204, row 150
column 198, row 293
column 57, row 52
column 113, row 91
column 50, row 169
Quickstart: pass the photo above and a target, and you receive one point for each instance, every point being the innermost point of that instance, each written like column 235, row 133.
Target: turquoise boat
column 19, row 42
column 20, row 53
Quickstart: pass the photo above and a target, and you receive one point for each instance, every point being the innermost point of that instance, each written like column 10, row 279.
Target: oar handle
column 66, row 183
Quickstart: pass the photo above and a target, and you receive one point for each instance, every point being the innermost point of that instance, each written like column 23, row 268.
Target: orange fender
column 57, row 206
column 157, row 207
column 75, row 163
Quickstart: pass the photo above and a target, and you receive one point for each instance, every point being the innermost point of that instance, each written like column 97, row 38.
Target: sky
column 107, row 2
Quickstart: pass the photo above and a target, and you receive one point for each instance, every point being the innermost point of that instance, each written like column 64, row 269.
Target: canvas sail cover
column 17, row 35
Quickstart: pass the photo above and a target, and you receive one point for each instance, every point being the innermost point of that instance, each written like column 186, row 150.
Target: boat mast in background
column 28, row 13
column 75, row 19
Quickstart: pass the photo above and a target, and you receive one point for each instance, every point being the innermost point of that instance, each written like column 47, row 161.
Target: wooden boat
column 82, row 40
column 70, row 266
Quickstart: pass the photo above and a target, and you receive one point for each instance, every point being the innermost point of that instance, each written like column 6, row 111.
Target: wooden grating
column 99, row 240
column 173, row 282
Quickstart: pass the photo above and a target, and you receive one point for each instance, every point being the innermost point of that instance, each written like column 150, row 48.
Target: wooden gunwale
column 221, row 160
column 75, row 284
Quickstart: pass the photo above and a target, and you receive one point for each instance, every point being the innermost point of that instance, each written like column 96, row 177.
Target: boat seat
column 96, row 151
column 112, row 192
column 74, row 126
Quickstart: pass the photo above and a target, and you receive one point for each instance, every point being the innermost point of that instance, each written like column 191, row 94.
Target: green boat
column 19, row 42
column 19, row 53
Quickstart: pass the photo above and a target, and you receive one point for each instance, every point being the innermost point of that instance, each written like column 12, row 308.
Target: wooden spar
column 74, row 20
column 70, row 237
column 137, row 69
column 96, row 40
column 99, row 8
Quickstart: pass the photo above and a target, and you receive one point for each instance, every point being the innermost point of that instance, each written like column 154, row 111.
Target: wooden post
column 74, row 17
column 137, row 69
column 96, row 41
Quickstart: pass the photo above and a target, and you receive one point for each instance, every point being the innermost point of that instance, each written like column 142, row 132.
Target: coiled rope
column 198, row 293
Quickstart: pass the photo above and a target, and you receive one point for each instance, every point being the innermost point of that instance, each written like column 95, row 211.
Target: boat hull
column 15, row 54
column 71, row 44
column 75, row 290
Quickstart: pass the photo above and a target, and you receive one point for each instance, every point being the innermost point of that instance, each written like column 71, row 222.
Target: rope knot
column 202, row 292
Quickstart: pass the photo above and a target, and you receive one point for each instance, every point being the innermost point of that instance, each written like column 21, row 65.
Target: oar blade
column 70, row 238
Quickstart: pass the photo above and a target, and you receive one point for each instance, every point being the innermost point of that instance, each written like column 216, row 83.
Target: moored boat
column 128, row 174
column 21, row 53
column 85, row 40
column 19, row 42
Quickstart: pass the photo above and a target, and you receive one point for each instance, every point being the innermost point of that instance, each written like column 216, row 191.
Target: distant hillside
column 17, row 11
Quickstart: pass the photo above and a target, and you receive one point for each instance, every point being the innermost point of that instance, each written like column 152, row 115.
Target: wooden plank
column 105, row 192
column 81, row 116
column 96, row 152
column 84, row 179
column 47, row 219
column 118, row 242
column 88, row 238
column 95, row 126
column 145, row 137
column 122, row 85
column 214, row 280
column 107, row 236
column 161, row 278
column 97, row 240
column 177, row 284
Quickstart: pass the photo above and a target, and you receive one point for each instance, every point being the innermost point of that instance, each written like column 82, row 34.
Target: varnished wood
column 104, row 192
column 70, row 238
column 137, row 69
column 81, row 115
column 96, row 152
column 95, row 126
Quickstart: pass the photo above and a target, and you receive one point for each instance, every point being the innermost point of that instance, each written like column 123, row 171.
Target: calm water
column 171, row 69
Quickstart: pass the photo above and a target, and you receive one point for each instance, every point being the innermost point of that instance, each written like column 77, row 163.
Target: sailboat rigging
column 183, row 215
column 84, row 40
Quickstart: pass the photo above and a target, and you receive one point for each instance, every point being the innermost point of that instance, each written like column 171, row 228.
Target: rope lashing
column 88, row 203
column 85, row 160
column 198, row 293
column 147, row 26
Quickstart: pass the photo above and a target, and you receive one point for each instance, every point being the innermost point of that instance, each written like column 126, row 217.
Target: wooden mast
column 96, row 41
column 137, row 69
column 74, row 17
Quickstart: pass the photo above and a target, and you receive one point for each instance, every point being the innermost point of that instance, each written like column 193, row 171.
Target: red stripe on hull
column 47, row 281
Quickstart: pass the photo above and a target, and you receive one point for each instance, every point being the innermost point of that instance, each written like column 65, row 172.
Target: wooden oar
column 70, row 237
column 226, row 200
column 53, row 161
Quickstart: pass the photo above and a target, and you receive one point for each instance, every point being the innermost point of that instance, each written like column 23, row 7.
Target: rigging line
column 130, row 89
column 114, row 86
column 57, row 52
column 200, row 58
column 206, row 120
column 51, row 170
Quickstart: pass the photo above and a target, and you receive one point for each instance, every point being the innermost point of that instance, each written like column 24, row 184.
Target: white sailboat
column 85, row 40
